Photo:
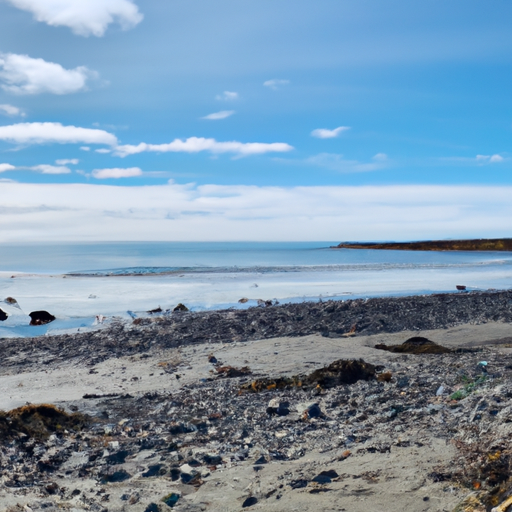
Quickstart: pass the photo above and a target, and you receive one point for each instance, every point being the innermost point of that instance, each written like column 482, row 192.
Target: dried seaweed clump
column 38, row 421
column 415, row 345
column 486, row 469
column 337, row 373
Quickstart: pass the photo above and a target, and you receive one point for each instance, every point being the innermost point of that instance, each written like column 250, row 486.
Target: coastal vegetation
column 480, row 244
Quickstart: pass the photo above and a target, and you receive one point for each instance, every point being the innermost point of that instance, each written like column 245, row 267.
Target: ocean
column 79, row 281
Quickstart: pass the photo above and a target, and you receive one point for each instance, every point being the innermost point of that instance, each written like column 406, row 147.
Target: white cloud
column 66, row 161
column 6, row 167
column 198, row 144
column 217, row 212
column 219, row 115
column 22, row 74
column 102, row 174
column 103, row 151
column 324, row 133
column 337, row 162
column 227, row 96
column 50, row 169
column 10, row 110
column 85, row 148
column 44, row 133
column 83, row 17
column 275, row 83
column 478, row 159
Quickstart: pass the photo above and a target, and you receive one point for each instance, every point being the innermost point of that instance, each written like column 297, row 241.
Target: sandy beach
column 178, row 422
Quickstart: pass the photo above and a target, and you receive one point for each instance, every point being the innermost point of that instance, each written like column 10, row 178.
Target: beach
column 221, row 411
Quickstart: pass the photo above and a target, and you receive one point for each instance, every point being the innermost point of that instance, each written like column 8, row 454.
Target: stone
column 41, row 317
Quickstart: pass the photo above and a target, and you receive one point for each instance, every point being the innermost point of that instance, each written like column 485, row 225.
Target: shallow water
column 76, row 282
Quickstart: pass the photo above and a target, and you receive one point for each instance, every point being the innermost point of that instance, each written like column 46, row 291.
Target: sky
column 241, row 120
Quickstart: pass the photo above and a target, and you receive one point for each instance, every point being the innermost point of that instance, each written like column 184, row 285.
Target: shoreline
column 166, row 412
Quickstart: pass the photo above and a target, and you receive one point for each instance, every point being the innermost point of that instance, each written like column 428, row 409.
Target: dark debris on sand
column 331, row 318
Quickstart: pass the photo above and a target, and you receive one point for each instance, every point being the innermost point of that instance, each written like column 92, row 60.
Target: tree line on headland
column 481, row 244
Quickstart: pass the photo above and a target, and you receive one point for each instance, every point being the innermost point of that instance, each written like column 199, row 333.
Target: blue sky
column 254, row 100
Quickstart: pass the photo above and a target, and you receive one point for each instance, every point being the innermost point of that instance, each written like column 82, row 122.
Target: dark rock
column 325, row 477
column 111, row 476
column 313, row 411
column 3, row 315
column 41, row 318
column 52, row 488
column 156, row 310
column 180, row 307
column 171, row 499
column 298, row 484
column 118, row 457
column 155, row 470
column 249, row 502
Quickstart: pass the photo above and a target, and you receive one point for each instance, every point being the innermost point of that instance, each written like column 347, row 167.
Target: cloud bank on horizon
column 188, row 212
column 377, row 99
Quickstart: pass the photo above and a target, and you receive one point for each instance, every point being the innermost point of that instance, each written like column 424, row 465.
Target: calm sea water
column 76, row 282
column 161, row 257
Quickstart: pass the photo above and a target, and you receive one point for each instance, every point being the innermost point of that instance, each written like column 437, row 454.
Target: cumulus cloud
column 45, row 133
column 66, row 161
column 85, row 148
column 219, row 115
column 222, row 212
column 10, row 110
column 275, row 83
column 324, row 133
column 6, row 167
column 198, row 144
column 103, row 151
column 83, row 17
column 130, row 172
column 22, row 74
column 50, row 169
column 227, row 96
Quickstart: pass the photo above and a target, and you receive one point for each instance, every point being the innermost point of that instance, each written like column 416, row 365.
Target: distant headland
column 480, row 244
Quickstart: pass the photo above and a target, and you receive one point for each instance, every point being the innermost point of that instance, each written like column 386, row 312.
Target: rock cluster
column 184, row 438
column 331, row 319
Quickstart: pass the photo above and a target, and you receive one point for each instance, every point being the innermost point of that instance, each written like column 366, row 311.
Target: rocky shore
column 294, row 407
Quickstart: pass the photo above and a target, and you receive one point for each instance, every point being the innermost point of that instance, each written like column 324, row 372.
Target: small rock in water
column 180, row 307
column 41, row 318
column 243, row 300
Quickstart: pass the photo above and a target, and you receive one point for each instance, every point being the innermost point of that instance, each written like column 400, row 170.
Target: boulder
column 41, row 318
